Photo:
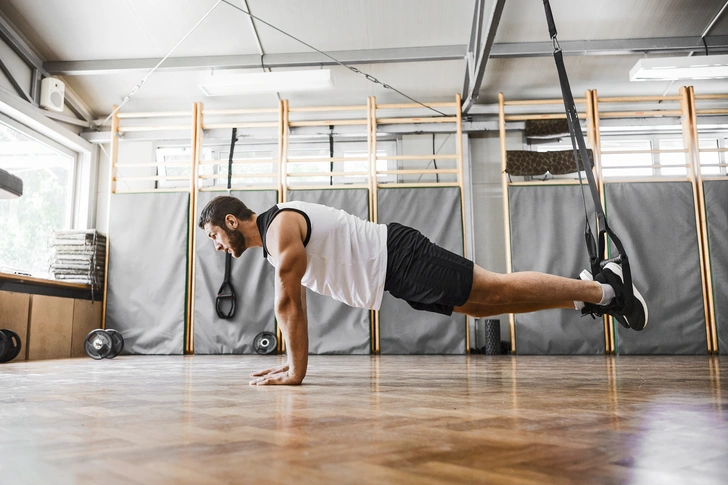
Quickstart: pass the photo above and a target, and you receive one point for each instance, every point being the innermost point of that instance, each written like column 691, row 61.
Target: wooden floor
column 359, row 420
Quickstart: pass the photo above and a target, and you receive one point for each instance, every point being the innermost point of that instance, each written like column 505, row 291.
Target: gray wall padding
column 436, row 212
column 656, row 223
column 547, row 235
column 716, row 207
column 335, row 327
column 251, row 276
column 147, row 290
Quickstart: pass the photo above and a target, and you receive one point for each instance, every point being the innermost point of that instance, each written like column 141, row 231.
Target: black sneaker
column 630, row 314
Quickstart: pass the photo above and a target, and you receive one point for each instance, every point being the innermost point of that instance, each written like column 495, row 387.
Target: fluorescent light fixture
column 677, row 68
column 235, row 83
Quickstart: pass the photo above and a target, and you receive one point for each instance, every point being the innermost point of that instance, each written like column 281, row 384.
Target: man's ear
column 231, row 221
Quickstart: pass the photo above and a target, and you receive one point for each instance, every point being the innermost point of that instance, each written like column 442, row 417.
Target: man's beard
column 236, row 242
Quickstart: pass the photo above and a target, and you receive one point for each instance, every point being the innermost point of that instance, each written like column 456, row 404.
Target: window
column 672, row 161
column 175, row 162
column 632, row 160
column 48, row 173
column 298, row 155
column 360, row 164
column 710, row 160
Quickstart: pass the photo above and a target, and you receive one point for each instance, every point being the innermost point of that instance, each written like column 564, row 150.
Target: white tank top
column 346, row 256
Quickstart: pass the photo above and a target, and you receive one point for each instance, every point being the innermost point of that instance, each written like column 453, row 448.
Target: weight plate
column 14, row 345
column 265, row 343
column 98, row 344
column 118, row 341
column 4, row 346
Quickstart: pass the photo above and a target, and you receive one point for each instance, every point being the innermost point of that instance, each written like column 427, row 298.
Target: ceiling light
column 677, row 68
column 235, row 83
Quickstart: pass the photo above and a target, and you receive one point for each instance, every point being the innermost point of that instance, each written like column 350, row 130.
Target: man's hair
column 216, row 210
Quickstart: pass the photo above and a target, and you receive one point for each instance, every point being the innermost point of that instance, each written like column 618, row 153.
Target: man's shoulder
column 286, row 227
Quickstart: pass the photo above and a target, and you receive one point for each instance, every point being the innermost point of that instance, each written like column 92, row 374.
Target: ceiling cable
column 369, row 77
column 144, row 79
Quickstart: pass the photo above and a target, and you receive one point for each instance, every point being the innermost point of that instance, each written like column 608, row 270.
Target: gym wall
column 436, row 212
column 716, row 195
column 547, row 235
column 147, row 278
column 251, row 276
column 656, row 223
column 334, row 327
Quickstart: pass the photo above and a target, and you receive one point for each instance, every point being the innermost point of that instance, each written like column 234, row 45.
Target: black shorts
column 423, row 274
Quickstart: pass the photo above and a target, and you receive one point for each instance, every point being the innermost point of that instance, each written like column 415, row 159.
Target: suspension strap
column 331, row 152
column 226, row 293
column 596, row 252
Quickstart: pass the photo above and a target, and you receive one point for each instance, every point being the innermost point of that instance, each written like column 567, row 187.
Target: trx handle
column 596, row 256
column 227, row 291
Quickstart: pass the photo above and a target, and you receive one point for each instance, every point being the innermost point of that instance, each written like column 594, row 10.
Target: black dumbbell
column 10, row 345
column 103, row 344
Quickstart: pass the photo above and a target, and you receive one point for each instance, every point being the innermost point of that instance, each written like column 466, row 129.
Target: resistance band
column 226, row 291
column 596, row 256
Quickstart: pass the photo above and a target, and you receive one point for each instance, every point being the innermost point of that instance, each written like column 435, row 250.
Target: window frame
column 71, row 216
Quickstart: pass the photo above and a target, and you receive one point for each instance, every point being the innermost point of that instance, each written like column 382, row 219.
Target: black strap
column 331, row 152
column 596, row 253
column 226, row 291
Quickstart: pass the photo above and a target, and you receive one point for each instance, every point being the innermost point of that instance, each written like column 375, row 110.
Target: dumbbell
column 10, row 345
column 103, row 344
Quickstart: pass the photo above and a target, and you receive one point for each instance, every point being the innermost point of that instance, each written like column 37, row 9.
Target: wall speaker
column 52, row 91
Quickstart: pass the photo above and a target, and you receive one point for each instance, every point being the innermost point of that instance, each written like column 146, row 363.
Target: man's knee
column 488, row 288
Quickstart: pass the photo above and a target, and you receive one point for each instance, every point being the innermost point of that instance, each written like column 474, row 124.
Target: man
column 354, row 261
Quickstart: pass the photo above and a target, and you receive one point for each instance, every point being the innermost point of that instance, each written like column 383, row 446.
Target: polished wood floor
column 360, row 420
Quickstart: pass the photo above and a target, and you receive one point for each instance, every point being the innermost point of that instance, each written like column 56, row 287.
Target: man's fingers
column 280, row 378
column 272, row 370
column 267, row 379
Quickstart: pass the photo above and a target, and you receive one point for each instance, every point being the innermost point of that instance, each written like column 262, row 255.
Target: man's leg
column 527, row 291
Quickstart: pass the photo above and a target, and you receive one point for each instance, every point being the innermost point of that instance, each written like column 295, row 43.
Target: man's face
column 226, row 239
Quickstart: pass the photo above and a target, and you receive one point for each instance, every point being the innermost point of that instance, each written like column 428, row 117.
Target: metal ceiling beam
column 379, row 56
column 17, row 42
column 11, row 77
column 479, row 48
column 658, row 45
column 254, row 61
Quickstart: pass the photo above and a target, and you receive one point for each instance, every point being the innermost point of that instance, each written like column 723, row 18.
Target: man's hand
column 275, row 375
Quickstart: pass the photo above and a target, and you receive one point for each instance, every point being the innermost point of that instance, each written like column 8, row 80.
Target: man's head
column 221, row 220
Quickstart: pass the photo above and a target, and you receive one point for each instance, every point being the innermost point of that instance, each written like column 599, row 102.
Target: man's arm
column 285, row 244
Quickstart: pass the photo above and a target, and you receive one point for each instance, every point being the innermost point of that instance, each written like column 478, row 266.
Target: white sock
column 607, row 295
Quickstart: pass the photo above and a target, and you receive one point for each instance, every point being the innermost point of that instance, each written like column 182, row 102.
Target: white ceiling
column 125, row 29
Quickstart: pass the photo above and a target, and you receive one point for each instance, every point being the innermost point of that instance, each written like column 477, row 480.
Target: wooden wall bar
column 687, row 114
column 690, row 135
column 281, row 178
column 712, row 329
